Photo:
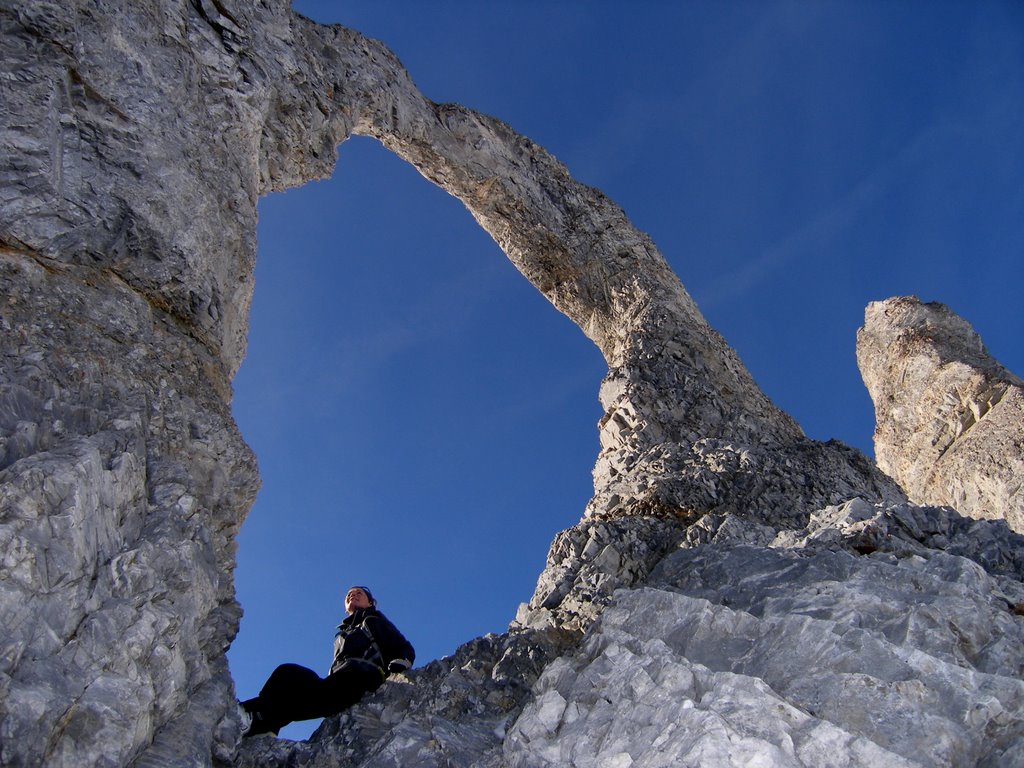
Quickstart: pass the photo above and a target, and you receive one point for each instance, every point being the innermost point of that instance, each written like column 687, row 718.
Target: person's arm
column 335, row 660
column 398, row 653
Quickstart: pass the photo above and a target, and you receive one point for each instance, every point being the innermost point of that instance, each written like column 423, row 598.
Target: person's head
column 358, row 597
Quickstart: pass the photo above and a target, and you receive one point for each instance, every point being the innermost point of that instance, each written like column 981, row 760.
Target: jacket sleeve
column 335, row 661
column 397, row 652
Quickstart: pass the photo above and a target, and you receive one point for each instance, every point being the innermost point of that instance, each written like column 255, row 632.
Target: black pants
column 293, row 692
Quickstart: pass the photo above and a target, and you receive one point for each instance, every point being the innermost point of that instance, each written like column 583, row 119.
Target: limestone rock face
column 949, row 418
column 769, row 669
column 877, row 635
column 852, row 642
column 122, row 477
column 721, row 578
column 127, row 207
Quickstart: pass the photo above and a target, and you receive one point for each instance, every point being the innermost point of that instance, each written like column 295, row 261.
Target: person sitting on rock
column 367, row 648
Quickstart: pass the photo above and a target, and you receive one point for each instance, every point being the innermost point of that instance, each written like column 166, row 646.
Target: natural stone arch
column 462, row 488
column 142, row 134
column 677, row 399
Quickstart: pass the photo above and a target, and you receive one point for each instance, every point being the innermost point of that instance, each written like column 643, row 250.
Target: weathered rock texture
column 877, row 635
column 121, row 480
column 949, row 418
column 136, row 138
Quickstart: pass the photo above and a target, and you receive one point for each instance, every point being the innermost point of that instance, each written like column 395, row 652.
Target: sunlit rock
column 949, row 418
column 734, row 591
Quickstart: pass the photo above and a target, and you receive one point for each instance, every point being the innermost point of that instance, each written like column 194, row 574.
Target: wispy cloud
column 818, row 235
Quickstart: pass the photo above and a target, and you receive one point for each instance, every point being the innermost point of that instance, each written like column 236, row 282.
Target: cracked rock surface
column 949, row 418
column 734, row 591
column 878, row 635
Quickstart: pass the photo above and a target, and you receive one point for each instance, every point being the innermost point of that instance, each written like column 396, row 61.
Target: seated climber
column 366, row 649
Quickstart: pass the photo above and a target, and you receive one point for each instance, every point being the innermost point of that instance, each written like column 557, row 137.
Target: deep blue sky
column 425, row 421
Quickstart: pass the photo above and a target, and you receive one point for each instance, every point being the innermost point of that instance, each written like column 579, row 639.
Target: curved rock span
column 722, row 588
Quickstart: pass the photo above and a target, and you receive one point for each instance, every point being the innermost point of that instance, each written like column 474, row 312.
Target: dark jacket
column 367, row 636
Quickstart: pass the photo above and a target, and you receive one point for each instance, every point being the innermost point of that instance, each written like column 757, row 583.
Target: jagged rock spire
column 949, row 418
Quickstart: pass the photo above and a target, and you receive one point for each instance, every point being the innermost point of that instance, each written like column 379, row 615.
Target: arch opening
column 424, row 420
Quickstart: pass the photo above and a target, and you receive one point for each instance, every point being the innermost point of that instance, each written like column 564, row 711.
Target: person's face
column 355, row 599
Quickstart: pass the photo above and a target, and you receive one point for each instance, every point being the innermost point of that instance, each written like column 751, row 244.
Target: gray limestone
column 878, row 635
column 949, row 418
column 120, row 484
column 734, row 592
column 813, row 661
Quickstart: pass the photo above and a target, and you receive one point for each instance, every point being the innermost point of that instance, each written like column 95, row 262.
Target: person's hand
column 398, row 666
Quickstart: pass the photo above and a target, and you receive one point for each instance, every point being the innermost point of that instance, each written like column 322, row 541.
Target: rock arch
column 142, row 134
column 476, row 410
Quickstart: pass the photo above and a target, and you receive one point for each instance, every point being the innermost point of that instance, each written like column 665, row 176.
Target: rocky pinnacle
column 949, row 418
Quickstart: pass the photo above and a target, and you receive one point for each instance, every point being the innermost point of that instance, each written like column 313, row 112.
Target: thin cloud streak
column 817, row 236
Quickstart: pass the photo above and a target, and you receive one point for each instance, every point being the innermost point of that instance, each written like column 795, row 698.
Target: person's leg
column 348, row 685
column 292, row 692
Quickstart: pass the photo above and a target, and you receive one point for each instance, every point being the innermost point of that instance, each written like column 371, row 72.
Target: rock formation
column 949, row 419
column 877, row 635
column 734, row 590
